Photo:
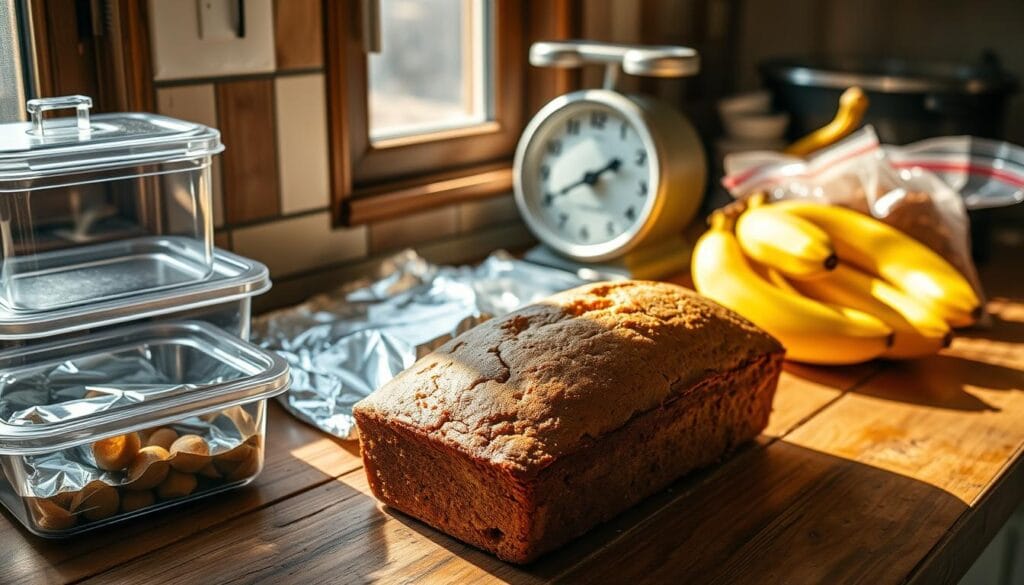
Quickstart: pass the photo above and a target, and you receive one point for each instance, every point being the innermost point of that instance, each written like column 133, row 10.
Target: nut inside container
column 110, row 426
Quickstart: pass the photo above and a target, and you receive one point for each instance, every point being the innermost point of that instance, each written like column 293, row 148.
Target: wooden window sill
column 405, row 197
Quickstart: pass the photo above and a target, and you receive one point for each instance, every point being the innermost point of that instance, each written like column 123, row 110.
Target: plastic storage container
column 77, row 193
column 224, row 299
column 108, row 426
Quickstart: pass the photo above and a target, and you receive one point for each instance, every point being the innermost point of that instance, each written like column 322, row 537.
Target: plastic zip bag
column 923, row 189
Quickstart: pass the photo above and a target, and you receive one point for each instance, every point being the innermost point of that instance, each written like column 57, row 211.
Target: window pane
column 12, row 98
column 431, row 72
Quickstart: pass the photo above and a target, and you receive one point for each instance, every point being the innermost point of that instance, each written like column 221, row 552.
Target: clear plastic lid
column 41, row 148
column 233, row 278
column 62, row 394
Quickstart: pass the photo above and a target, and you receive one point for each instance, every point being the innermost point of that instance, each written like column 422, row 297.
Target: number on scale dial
column 593, row 175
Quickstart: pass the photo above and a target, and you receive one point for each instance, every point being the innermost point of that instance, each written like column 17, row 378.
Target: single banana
column 881, row 249
column 795, row 247
column 917, row 331
column 852, row 105
column 774, row 277
column 811, row 331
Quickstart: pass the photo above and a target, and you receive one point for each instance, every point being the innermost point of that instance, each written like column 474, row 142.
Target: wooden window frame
column 395, row 177
column 367, row 183
column 102, row 52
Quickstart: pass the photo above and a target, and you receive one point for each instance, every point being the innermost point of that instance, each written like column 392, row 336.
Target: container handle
column 81, row 103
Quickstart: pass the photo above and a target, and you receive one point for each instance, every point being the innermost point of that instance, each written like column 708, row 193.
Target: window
column 433, row 115
column 99, row 49
column 12, row 86
column 431, row 72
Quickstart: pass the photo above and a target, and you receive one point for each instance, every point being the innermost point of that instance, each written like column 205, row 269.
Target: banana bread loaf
column 528, row 430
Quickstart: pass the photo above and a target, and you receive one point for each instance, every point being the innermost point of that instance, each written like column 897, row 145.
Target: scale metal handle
column 645, row 60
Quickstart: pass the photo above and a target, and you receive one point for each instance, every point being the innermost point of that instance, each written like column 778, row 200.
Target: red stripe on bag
column 734, row 180
column 1005, row 176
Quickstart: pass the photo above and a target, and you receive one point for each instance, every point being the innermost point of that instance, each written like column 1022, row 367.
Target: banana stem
column 719, row 220
column 757, row 199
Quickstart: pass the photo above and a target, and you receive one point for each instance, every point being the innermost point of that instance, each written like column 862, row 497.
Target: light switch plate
column 201, row 39
column 220, row 20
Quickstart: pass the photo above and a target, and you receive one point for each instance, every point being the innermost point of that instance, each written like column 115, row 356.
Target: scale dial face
column 587, row 176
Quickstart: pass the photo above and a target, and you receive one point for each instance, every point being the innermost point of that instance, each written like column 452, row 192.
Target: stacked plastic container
column 126, row 381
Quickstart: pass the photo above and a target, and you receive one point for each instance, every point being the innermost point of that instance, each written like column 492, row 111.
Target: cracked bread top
column 525, row 389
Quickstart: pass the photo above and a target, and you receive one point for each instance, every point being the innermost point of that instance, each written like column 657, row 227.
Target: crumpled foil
column 345, row 344
column 91, row 384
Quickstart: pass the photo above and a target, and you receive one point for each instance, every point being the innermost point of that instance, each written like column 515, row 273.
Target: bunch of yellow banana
column 833, row 285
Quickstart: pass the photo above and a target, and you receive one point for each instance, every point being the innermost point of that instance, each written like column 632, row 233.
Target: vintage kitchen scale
column 607, row 181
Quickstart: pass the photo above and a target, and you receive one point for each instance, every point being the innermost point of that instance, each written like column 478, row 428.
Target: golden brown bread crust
column 526, row 389
column 527, row 430
column 519, row 520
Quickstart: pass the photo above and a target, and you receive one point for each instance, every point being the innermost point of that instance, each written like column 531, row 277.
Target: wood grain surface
column 245, row 111
column 298, row 34
column 879, row 473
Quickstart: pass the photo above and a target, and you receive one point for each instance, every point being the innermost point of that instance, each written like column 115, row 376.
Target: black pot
column 909, row 100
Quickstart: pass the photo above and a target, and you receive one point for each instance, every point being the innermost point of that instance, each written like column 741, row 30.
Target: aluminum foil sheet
column 87, row 385
column 345, row 344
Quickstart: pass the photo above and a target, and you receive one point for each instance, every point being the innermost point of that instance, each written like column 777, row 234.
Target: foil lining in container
column 72, row 469
column 57, row 399
column 82, row 387
column 343, row 345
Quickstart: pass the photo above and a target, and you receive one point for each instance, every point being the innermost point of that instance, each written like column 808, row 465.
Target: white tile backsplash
column 199, row 39
column 414, row 229
column 475, row 215
column 196, row 103
column 299, row 244
column 302, row 142
column 455, row 250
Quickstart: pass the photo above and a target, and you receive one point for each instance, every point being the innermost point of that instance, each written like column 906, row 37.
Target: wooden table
column 880, row 473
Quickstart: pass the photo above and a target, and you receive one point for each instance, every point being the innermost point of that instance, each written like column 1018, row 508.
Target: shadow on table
column 269, row 531
column 999, row 328
column 782, row 514
column 553, row 566
column 950, row 380
column 837, row 377
column 942, row 381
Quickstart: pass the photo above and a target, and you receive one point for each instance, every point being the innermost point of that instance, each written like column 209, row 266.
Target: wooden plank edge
column 951, row 557
column 228, row 518
column 240, row 512
column 109, row 573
